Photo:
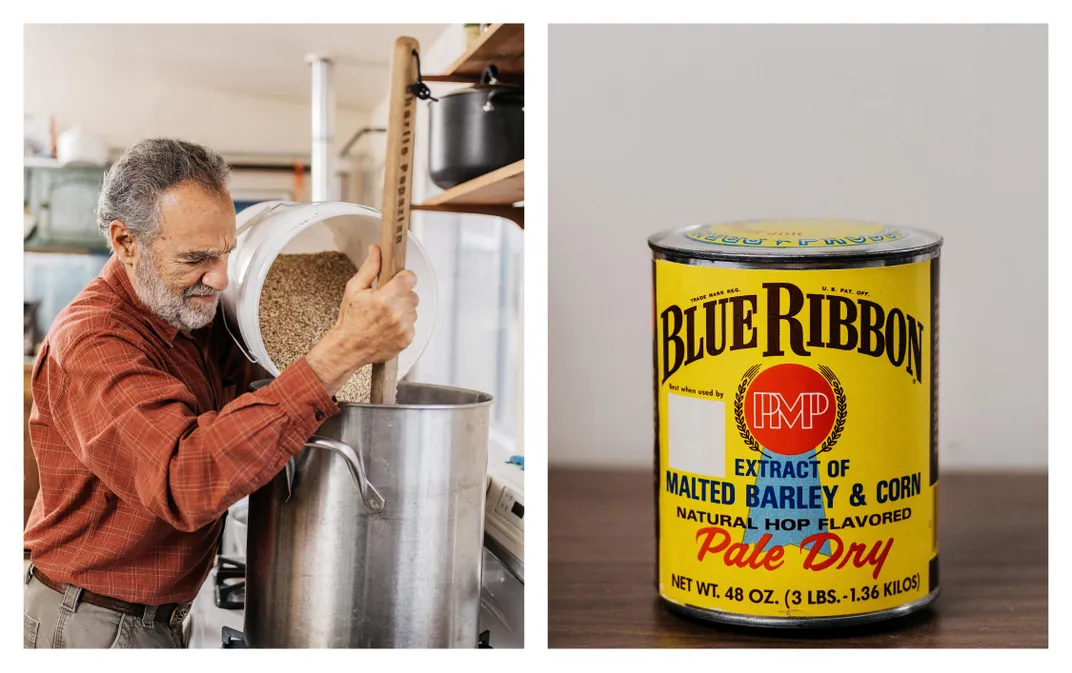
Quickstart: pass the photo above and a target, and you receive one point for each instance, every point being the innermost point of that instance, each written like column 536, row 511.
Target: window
column 476, row 342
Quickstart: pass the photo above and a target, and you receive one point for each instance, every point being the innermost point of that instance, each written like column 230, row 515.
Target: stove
column 233, row 639
column 229, row 583
column 504, row 511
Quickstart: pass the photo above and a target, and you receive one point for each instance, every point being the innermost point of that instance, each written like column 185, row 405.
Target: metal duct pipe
column 323, row 128
column 357, row 136
column 343, row 175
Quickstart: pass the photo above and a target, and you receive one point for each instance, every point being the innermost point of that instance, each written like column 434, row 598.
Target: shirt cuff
column 305, row 400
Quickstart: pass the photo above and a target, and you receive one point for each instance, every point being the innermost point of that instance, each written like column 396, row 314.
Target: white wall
column 124, row 108
column 943, row 128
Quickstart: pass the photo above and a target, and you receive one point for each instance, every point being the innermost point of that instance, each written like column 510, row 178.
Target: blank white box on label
column 697, row 434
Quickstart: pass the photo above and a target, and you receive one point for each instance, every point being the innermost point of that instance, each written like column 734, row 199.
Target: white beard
column 168, row 306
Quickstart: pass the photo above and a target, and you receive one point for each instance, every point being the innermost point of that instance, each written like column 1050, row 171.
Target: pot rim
column 467, row 405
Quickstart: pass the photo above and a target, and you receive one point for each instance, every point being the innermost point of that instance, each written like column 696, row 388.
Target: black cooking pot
column 476, row 130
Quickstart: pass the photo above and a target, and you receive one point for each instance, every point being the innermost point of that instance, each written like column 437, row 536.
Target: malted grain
column 299, row 303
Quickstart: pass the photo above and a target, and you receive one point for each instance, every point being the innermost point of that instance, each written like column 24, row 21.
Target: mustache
column 199, row 290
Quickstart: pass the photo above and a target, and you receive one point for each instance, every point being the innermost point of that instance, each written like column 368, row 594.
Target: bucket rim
column 254, row 270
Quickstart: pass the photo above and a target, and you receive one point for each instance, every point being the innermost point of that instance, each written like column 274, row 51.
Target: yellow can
column 796, row 421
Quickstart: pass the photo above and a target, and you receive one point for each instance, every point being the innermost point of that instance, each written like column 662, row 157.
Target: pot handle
column 369, row 495
column 490, row 76
column 489, row 105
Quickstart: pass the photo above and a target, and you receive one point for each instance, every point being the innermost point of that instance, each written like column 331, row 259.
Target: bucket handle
column 226, row 326
column 369, row 495
column 259, row 216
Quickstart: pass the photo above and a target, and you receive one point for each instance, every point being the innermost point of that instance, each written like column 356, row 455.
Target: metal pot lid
column 794, row 239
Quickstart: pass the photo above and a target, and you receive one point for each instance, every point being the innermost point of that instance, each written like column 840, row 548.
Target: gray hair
column 134, row 184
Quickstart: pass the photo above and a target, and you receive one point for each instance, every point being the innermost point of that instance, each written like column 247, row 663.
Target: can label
column 795, row 425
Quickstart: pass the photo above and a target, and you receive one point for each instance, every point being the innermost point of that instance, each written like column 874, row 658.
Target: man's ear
column 126, row 248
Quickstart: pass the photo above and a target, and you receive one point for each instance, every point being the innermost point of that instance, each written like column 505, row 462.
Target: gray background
column 938, row 127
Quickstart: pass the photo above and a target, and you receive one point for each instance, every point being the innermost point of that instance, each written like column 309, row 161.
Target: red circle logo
column 790, row 409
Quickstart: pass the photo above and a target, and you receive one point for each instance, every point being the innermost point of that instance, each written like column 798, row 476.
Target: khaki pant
column 55, row 620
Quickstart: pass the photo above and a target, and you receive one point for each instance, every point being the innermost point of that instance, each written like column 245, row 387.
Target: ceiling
column 254, row 59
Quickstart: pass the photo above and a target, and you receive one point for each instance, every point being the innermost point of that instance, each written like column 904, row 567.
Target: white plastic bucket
column 269, row 229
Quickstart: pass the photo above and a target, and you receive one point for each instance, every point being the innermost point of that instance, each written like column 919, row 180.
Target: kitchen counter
column 601, row 565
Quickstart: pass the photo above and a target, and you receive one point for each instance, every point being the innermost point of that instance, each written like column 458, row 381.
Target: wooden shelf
column 41, row 162
column 502, row 187
column 513, row 213
column 66, row 247
column 494, row 194
column 54, row 164
column 501, row 45
column 512, row 78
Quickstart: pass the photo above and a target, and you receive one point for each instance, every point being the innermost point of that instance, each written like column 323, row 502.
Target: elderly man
column 142, row 425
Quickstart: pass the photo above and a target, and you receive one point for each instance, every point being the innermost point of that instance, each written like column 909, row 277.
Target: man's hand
column 374, row 325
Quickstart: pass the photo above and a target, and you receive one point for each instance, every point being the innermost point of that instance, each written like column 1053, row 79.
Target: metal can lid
column 794, row 239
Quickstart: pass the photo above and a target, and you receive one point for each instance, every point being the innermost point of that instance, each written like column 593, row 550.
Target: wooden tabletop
column 601, row 548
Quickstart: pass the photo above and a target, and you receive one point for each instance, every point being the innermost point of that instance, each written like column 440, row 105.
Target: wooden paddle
column 397, row 190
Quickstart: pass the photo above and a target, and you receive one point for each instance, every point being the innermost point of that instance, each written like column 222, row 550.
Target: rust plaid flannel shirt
column 143, row 438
